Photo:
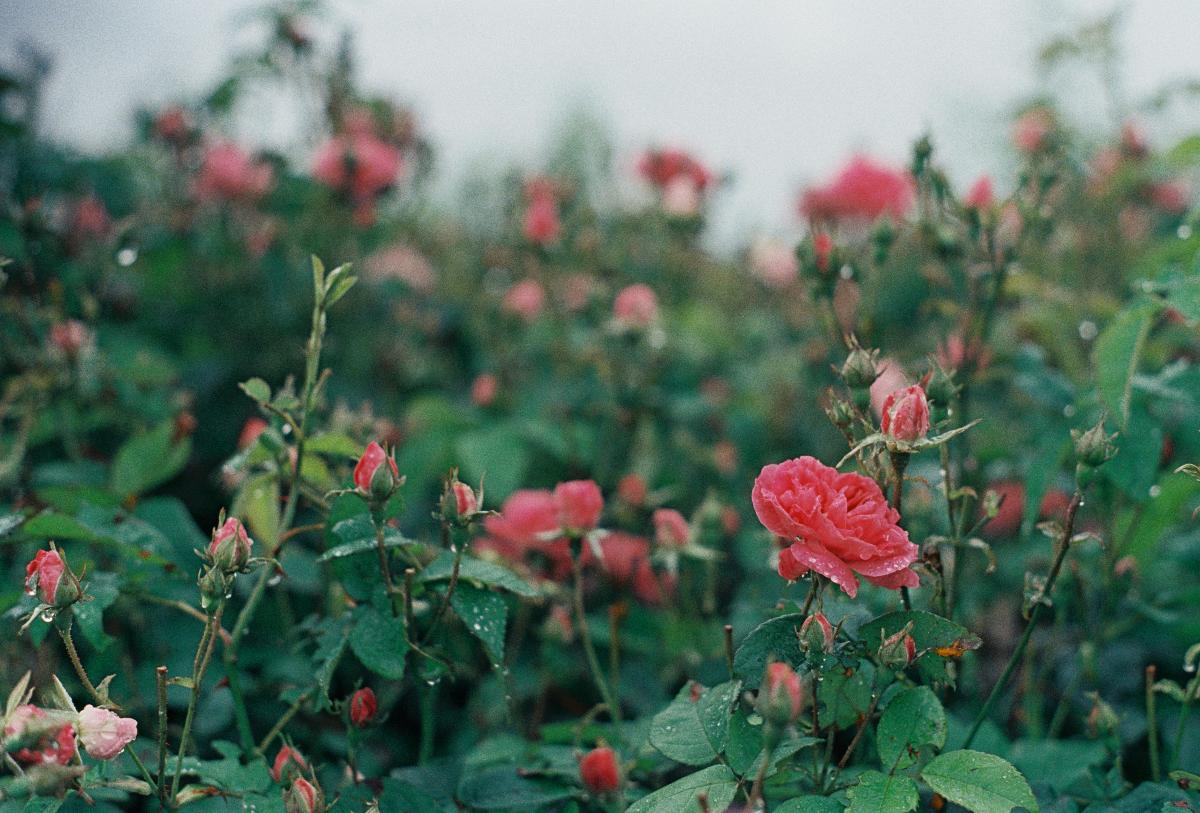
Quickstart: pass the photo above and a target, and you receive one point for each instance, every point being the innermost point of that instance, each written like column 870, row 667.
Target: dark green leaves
column 694, row 729
column 913, row 718
column 717, row 783
column 939, row 641
column 149, row 459
column 775, row 639
column 982, row 783
column 485, row 614
column 378, row 641
column 881, row 793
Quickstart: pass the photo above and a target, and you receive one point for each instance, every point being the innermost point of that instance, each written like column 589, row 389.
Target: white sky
column 776, row 92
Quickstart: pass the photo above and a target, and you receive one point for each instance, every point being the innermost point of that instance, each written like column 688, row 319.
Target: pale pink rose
column 980, row 196
column 525, row 299
column 104, row 735
column 670, row 528
column 229, row 172
column 636, row 306
column 891, row 378
column 403, row 262
column 1172, row 197
column 906, row 414
column 358, row 164
column 1032, row 128
column 681, row 197
column 774, row 263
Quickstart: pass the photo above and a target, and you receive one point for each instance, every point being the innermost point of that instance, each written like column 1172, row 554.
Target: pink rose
column 231, row 546
column 358, row 164
column 781, row 695
column 483, row 389
column 836, row 524
column 636, row 306
column 863, row 190
column 632, row 489
column 71, row 337
column 229, row 172
column 34, row 736
column 670, row 528
column 681, row 197
column 526, row 531
column 980, row 196
column 363, row 706
column 541, row 224
column 466, row 501
column 906, row 414
column 44, row 578
column 288, row 764
column 891, row 378
column 104, row 735
column 599, row 772
column 774, row 263
column 579, row 505
column 525, row 299
column 402, row 262
column 303, row 797
column 373, row 458
column 661, row 167
column 1032, row 129
column 250, row 432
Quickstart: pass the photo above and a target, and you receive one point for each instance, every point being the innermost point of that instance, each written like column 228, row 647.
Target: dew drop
column 127, row 257
column 1088, row 330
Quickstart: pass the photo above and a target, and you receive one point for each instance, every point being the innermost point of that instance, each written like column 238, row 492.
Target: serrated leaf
column 478, row 570
column 694, row 728
column 378, row 641
column 810, row 804
column 982, row 783
column 774, row 639
column 717, row 783
column 333, row 635
column 913, row 718
column 485, row 614
column 880, row 793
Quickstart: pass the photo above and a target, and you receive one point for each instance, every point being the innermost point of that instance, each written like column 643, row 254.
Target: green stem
column 284, row 719
column 160, row 675
column 585, row 637
column 459, row 548
column 203, row 655
column 77, row 664
column 1152, row 723
column 428, row 710
column 1176, row 750
column 385, row 567
column 1064, row 544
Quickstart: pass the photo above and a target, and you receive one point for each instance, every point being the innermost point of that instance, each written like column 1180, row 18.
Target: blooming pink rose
column 980, row 196
column 526, row 531
column 661, row 167
column 774, row 263
column 670, row 528
column 626, row 560
column 483, row 389
column 372, row 458
column 358, row 164
column 44, row 576
column 863, row 190
column 71, row 336
column 836, row 524
column 104, row 735
column 231, row 546
column 579, row 505
column 229, row 172
column 525, row 299
column 1032, row 129
column 636, row 306
column 906, row 414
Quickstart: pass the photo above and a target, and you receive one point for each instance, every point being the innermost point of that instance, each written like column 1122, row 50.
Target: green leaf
column 810, row 804
column 1118, row 351
column 504, row 788
column 257, row 502
column 102, row 587
column 359, row 535
column 478, row 570
column 775, row 639
column 378, row 641
column 694, row 728
column 148, row 460
column 913, row 718
column 880, row 793
column 485, row 614
column 257, row 389
column 497, row 456
column 402, row 797
column 982, row 783
column 332, row 636
column 49, row 525
column 744, row 751
column 716, row 782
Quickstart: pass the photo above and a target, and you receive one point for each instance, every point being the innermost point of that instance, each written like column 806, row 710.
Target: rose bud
column 859, row 371
column 599, row 771
column 459, row 501
column 303, row 797
column 231, row 546
column 632, row 489
column 71, row 337
column 363, row 706
column 47, row 577
column 288, row 764
column 372, row 477
column 104, row 735
column 816, row 634
column 781, row 694
column 579, row 504
column 670, row 528
column 899, row 650
column 906, row 414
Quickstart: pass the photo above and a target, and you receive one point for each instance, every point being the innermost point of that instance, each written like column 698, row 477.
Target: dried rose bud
column 363, row 706
column 781, row 694
column 599, row 771
column 816, row 634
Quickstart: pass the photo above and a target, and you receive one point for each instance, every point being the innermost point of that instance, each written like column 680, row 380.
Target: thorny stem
column 73, row 656
column 862, row 724
column 203, row 655
column 1064, row 544
column 585, row 637
column 160, row 675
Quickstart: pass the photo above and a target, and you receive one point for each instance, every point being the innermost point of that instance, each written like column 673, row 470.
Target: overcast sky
column 775, row 92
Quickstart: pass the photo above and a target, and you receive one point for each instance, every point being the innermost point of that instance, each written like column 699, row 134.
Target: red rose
column 906, row 414
column 369, row 465
column 363, row 706
column 599, row 770
column 863, row 190
column 836, row 524
column 670, row 528
column 579, row 505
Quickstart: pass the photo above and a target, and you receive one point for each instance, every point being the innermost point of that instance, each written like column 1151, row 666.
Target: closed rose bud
column 46, row 577
column 363, row 706
column 906, row 414
column 859, row 371
column 670, row 528
column 250, row 432
column 579, row 504
column 599, row 772
column 375, row 474
column 459, row 501
column 1094, row 447
column 980, row 196
column 781, row 694
column 231, row 546
column 303, row 797
column 632, row 489
column 899, row 650
column 822, row 251
column 71, row 337
column 104, row 735
column 816, row 634
column 289, row 763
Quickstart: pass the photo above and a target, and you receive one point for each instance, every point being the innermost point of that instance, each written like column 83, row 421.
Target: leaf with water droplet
column 378, row 641
column 695, row 727
column 485, row 614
